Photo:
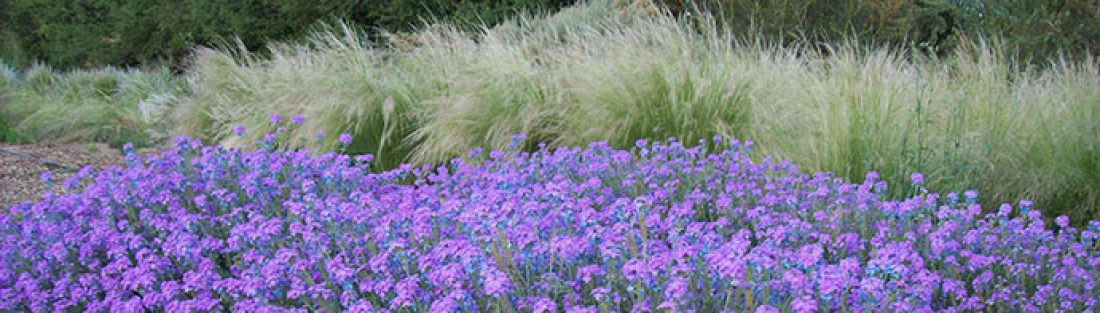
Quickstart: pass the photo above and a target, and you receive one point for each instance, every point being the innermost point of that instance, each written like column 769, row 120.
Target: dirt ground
column 20, row 178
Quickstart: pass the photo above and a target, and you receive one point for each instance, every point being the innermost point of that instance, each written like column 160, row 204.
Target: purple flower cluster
column 661, row 227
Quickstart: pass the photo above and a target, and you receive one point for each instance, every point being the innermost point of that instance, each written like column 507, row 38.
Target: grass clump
column 601, row 72
column 108, row 105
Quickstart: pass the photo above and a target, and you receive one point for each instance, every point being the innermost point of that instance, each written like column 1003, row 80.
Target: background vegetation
column 1034, row 31
column 93, row 33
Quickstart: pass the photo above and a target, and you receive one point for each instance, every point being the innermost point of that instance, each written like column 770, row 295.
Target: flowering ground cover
column 661, row 227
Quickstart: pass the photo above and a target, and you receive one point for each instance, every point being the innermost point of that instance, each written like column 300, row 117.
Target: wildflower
column 275, row 119
column 545, row 305
column 804, row 305
column 810, row 254
column 496, row 282
column 1025, row 204
column 1062, row 221
column 345, row 139
column 634, row 269
column 239, row 130
column 45, row 177
column 444, row 304
column 971, row 196
column 871, row 176
column 917, row 178
column 766, row 309
column 298, row 119
column 1034, row 215
column 600, row 292
column 677, row 288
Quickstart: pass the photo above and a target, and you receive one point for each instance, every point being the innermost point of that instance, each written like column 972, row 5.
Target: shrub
column 661, row 226
column 92, row 34
column 1040, row 31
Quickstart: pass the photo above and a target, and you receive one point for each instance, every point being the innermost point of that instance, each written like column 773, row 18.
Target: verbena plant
column 659, row 227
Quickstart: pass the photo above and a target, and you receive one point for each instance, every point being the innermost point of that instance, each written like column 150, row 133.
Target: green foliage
column 9, row 81
column 1041, row 30
column 12, row 53
column 405, row 15
column 6, row 133
column 92, row 33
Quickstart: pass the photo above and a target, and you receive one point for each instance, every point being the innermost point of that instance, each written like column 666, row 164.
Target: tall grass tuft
column 8, row 76
column 597, row 72
column 89, row 105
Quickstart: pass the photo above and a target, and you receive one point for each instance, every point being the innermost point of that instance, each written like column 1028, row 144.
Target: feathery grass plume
column 969, row 120
column 8, row 76
column 589, row 73
column 653, row 78
column 91, row 105
column 342, row 83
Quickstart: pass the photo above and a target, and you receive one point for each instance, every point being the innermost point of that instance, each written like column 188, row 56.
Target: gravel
column 19, row 176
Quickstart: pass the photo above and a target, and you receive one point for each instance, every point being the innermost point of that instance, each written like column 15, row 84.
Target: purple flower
column 406, row 293
column 269, row 137
column 634, row 269
column 45, row 177
column 971, row 195
column 766, row 309
column 298, row 119
column 804, row 305
column 444, row 304
column 496, row 282
column 320, row 134
column 587, row 272
column 545, row 305
column 871, row 177
column 239, row 130
column 364, row 158
column 275, row 118
column 810, row 254
column 1035, row 214
column 1062, row 221
column 582, row 309
column 917, row 178
column 600, row 292
column 676, row 288
column 345, row 139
